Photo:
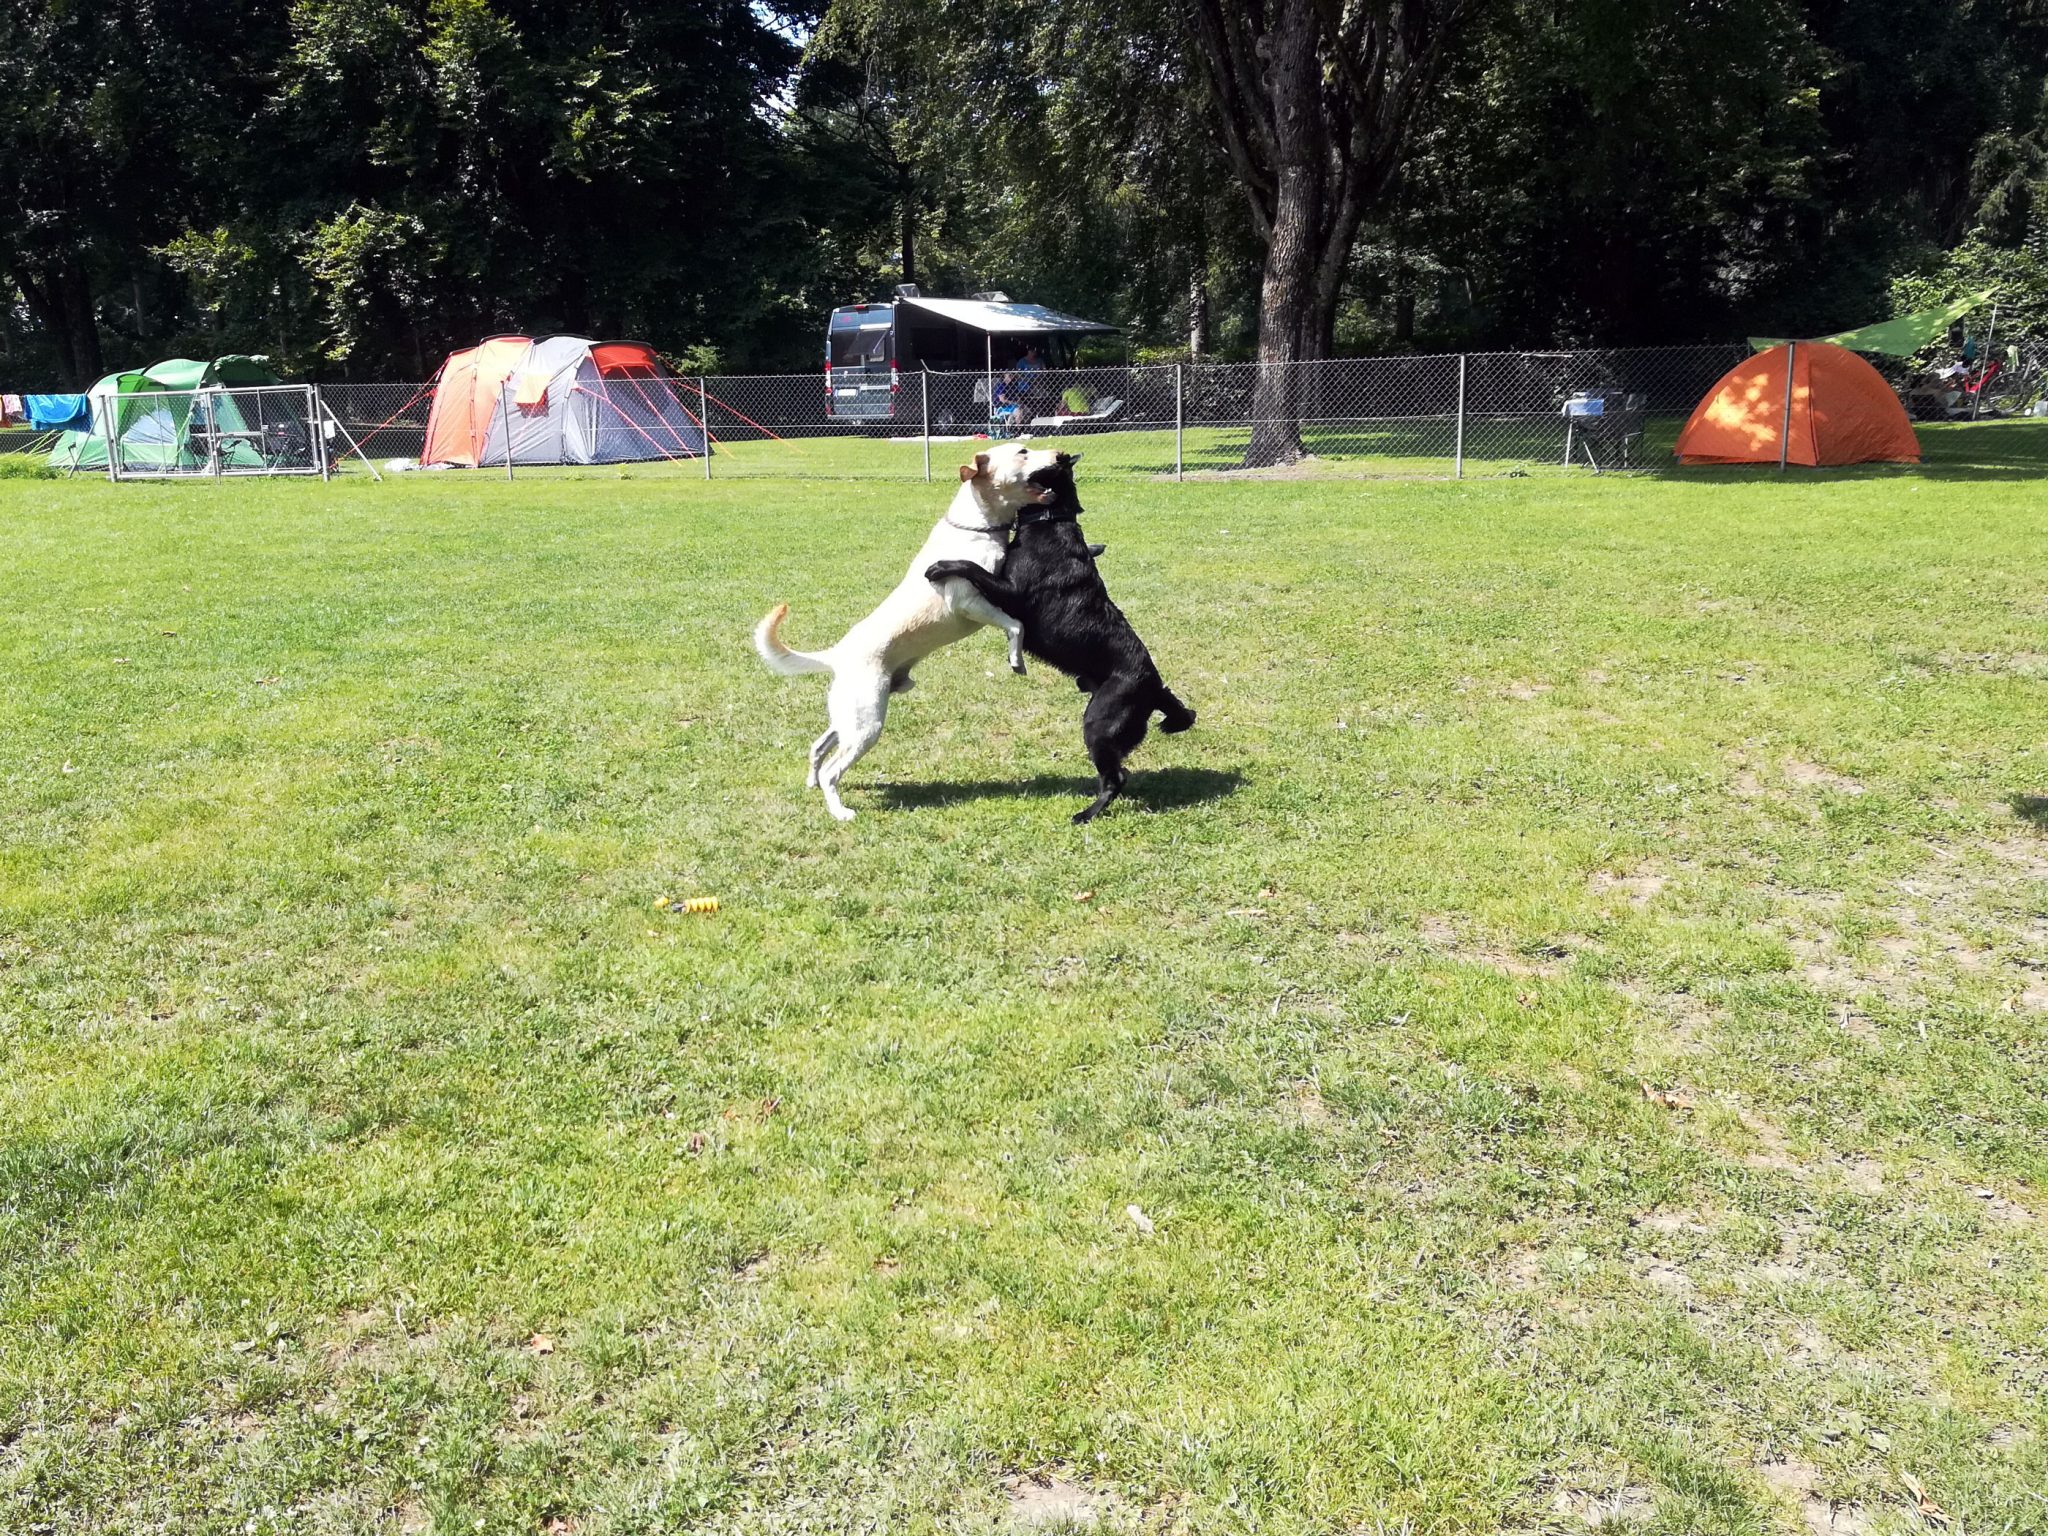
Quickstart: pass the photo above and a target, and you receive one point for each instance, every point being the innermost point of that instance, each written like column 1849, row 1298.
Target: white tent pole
column 988, row 342
column 505, row 416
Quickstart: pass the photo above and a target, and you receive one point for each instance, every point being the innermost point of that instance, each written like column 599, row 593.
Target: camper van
column 874, row 352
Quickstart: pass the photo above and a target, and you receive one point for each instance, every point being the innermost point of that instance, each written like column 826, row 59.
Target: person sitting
column 1005, row 406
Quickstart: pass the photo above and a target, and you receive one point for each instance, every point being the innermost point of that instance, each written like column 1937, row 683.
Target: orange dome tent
column 1843, row 412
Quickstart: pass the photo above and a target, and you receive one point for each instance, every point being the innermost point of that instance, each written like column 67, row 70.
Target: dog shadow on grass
column 2030, row 808
column 1161, row 789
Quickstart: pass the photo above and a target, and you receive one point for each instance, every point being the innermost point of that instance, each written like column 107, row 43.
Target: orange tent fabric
column 471, row 390
column 1843, row 412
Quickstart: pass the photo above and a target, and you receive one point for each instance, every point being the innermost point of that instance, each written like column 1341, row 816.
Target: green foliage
column 693, row 361
column 362, row 185
column 25, row 466
column 2016, row 275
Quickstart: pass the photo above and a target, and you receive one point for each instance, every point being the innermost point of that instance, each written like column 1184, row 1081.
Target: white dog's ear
column 975, row 470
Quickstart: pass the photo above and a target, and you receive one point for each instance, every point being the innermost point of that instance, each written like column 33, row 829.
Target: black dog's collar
column 1045, row 514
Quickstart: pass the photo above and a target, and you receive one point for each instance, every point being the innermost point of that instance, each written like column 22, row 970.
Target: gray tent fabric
column 562, row 406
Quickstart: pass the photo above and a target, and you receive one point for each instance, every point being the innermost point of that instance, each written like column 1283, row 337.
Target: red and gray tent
column 559, row 400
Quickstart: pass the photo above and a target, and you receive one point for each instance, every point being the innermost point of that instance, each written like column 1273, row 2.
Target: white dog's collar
column 994, row 528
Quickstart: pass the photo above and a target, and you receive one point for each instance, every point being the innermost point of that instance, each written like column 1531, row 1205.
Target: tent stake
column 1785, row 427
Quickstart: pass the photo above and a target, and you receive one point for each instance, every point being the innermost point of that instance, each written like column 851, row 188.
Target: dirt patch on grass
column 1639, row 888
column 1546, row 963
column 1821, row 1515
column 1999, row 1208
column 1049, row 1502
column 1995, row 663
column 1629, row 1504
column 1773, row 1151
column 1667, row 1222
column 1683, row 1021
column 1308, row 1103
column 1802, row 774
column 1668, row 1278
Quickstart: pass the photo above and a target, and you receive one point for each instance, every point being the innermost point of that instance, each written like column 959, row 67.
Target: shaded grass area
column 1569, row 1016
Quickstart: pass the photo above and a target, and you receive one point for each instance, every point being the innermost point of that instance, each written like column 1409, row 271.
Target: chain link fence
column 1452, row 414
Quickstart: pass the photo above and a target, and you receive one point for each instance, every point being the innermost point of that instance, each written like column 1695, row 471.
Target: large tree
column 114, row 119
column 1316, row 101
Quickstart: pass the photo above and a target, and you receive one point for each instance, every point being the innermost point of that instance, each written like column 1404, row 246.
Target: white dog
column 876, row 655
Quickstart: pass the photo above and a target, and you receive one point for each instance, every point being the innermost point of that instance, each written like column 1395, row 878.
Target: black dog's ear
column 1067, row 460
column 1096, row 551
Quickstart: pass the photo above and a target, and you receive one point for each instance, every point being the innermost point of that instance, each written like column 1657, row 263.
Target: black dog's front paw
column 943, row 570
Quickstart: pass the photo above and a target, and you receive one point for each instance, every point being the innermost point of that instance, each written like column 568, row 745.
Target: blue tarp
column 58, row 413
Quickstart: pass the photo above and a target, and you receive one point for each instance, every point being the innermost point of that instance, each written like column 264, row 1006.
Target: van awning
column 1008, row 319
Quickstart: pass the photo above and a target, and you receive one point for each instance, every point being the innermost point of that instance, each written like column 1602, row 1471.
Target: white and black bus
column 873, row 352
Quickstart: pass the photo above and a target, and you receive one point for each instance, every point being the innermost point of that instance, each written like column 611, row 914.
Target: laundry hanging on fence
column 58, row 413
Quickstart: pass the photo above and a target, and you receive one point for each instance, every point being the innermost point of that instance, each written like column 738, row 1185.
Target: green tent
column 1901, row 337
column 151, row 410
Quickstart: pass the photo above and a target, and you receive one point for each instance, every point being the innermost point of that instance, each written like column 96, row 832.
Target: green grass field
column 1560, row 1042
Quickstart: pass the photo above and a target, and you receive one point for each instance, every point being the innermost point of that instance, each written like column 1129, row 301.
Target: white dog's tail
column 780, row 658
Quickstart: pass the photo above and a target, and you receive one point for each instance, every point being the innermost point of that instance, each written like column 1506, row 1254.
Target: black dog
column 1050, row 585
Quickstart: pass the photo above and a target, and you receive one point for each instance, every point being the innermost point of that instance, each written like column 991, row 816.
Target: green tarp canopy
column 150, row 410
column 1894, row 338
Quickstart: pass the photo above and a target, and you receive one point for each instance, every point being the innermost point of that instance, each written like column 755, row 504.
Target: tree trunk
column 1287, row 290
column 59, row 295
column 81, row 322
column 1314, row 100
column 1285, row 313
column 1198, row 312
column 909, row 235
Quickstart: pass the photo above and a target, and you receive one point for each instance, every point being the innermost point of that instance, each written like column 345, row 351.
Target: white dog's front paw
column 840, row 812
column 1017, row 664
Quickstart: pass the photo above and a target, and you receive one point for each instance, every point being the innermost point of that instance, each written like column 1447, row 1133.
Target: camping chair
column 1610, row 423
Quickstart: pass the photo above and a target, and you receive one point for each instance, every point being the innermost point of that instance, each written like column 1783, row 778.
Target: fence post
column 1458, row 450
column 704, row 423
column 924, row 383
column 1785, row 426
column 1984, row 368
column 109, row 432
column 505, row 402
column 1179, row 421
column 316, row 424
